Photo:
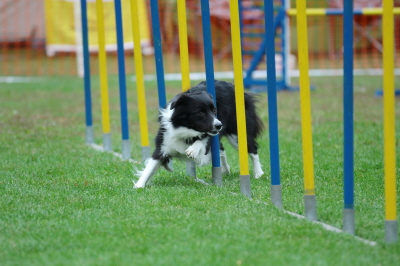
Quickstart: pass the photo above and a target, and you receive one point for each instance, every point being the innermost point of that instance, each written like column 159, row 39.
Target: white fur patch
column 175, row 138
column 146, row 175
column 258, row 172
column 225, row 168
column 197, row 152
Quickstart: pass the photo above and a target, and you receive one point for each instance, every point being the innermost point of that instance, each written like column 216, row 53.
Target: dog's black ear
column 179, row 100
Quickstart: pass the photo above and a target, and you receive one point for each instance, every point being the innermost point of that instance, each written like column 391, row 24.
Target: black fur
column 190, row 119
column 226, row 106
column 194, row 109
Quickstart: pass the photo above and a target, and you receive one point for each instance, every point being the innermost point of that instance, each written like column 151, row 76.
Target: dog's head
column 195, row 111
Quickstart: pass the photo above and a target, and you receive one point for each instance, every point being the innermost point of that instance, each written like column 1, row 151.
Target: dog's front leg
column 196, row 151
column 146, row 175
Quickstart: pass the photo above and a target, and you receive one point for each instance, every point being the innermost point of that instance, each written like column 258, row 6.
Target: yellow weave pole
column 379, row 11
column 239, row 98
column 141, row 96
column 324, row 11
column 305, row 104
column 309, row 11
column 105, row 110
column 391, row 227
column 184, row 56
column 183, row 44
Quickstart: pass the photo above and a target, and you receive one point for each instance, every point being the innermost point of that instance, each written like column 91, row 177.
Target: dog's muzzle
column 217, row 126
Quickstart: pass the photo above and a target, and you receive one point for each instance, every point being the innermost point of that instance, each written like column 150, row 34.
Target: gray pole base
column 107, row 142
column 245, row 187
column 276, row 196
column 349, row 225
column 89, row 135
column 126, row 149
column 145, row 153
column 391, row 231
column 217, row 176
column 310, row 204
column 191, row 168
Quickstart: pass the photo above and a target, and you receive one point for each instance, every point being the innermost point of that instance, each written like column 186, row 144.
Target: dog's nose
column 218, row 126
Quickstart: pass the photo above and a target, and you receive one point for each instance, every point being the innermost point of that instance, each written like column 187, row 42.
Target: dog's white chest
column 176, row 146
column 175, row 141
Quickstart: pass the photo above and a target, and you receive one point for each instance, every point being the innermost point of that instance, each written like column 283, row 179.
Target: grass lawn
column 63, row 203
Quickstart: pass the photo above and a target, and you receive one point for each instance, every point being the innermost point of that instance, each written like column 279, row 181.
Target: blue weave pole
column 348, row 118
column 276, row 191
column 209, row 65
column 155, row 20
column 126, row 154
column 86, row 75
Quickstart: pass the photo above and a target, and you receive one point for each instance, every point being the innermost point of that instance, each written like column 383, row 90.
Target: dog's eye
column 200, row 113
column 215, row 111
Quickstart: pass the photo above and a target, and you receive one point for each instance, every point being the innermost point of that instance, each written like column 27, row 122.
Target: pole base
column 276, row 196
column 391, row 231
column 310, row 204
column 107, row 142
column 126, row 149
column 89, row 135
column 245, row 187
column 191, row 168
column 217, row 176
column 145, row 153
column 349, row 221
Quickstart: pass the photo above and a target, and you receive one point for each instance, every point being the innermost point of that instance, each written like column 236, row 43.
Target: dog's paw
column 135, row 185
column 201, row 181
column 190, row 152
column 226, row 169
column 258, row 173
column 195, row 150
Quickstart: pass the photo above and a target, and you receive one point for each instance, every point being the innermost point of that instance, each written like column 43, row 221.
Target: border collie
column 189, row 121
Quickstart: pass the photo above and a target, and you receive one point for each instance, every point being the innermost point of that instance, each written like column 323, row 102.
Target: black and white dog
column 190, row 119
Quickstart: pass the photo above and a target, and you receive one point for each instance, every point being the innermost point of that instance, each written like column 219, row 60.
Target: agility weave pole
column 105, row 109
column 391, row 225
column 184, row 56
column 305, row 106
column 86, row 76
column 155, row 20
column 183, row 44
column 276, row 188
column 141, row 95
column 334, row 11
column 348, row 119
column 126, row 147
column 245, row 187
column 209, row 66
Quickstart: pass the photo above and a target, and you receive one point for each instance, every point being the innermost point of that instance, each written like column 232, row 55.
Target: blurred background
column 38, row 37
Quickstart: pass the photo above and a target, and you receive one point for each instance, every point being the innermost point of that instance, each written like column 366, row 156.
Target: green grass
column 62, row 203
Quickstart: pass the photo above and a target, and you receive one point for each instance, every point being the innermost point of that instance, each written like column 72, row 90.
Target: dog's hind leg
column 233, row 140
column 225, row 168
column 145, row 176
column 258, row 172
column 252, row 148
